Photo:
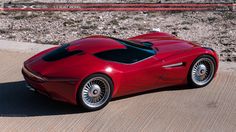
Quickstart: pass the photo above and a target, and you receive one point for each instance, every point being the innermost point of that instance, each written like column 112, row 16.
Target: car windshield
column 144, row 46
column 131, row 54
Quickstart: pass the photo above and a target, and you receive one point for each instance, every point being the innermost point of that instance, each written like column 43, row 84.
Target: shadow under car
column 16, row 100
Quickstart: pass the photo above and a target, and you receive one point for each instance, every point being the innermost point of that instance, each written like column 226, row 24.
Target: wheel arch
column 205, row 54
column 102, row 73
column 199, row 56
column 196, row 52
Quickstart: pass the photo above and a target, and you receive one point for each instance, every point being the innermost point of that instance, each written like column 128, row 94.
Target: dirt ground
column 211, row 108
column 215, row 29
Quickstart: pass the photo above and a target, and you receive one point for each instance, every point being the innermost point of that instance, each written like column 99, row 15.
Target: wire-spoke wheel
column 95, row 91
column 202, row 71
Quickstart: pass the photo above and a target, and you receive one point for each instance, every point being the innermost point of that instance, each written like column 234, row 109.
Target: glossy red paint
column 61, row 79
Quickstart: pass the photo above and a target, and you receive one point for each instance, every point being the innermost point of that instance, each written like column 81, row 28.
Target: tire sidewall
column 79, row 94
column 190, row 81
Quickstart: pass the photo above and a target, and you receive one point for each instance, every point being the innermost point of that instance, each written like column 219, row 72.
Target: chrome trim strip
column 174, row 65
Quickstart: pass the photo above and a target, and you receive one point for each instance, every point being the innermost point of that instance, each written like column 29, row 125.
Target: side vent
column 174, row 65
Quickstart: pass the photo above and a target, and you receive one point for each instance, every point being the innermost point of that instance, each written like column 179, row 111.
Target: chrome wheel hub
column 203, row 71
column 96, row 92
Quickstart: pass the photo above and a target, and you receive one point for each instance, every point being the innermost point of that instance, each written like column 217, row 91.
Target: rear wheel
column 95, row 92
column 202, row 71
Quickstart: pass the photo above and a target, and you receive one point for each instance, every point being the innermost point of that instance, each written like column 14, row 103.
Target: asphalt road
column 179, row 109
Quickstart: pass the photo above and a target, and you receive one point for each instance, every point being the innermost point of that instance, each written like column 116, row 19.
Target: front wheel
column 95, row 92
column 202, row 71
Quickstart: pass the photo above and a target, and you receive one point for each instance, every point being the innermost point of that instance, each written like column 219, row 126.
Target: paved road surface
column 212, row 108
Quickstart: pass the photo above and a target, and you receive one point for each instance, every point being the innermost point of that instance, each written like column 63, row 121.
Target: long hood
column 172, row 45
column 168, row 45
column 164, row 42
column 168, row 48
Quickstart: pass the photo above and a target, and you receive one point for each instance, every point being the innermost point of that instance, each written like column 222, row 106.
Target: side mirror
column 174, row 33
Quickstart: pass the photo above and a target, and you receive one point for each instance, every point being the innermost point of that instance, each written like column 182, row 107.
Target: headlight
column 209, row 48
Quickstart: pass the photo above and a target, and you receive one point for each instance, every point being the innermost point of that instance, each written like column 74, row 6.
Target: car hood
column 168, row 45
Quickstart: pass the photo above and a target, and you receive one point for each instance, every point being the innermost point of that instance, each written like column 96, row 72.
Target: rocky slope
column 209, row 28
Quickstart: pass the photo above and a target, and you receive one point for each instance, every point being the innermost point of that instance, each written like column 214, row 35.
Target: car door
column 142, row 76
column 175, row 69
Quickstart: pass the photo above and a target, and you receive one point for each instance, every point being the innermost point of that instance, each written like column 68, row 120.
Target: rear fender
column 114, row 76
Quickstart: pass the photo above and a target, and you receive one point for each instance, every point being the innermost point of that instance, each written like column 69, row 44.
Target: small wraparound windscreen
column 131, row 54
column 60, row 53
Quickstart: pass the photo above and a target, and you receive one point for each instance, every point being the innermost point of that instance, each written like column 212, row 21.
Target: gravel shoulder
column 215, row 29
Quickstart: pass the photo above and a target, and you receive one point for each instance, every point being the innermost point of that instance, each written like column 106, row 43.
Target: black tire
column 82, row 100
column 191, row 82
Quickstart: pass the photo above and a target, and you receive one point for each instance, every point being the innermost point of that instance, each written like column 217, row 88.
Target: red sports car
column 90, row 71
